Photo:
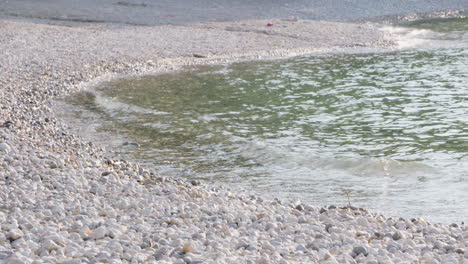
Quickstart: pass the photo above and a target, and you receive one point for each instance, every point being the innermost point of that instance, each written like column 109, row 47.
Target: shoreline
column 63, row 201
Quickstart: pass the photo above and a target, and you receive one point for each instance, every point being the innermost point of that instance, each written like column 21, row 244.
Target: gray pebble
column 360, row 250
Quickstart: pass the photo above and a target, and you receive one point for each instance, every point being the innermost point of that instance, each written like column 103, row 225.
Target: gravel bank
column 62, row 201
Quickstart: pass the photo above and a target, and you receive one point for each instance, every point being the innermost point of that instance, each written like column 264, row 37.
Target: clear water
column 390, row 129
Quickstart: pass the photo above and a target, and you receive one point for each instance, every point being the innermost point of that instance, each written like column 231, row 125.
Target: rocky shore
column 63, row 201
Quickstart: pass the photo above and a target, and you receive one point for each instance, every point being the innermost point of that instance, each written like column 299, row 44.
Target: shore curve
column 63, row 201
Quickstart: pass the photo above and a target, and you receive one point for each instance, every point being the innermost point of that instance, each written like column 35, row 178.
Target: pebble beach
column 64, row 200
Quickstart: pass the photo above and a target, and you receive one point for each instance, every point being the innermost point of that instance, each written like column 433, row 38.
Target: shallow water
column 388, row 129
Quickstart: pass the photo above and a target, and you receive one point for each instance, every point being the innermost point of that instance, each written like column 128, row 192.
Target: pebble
column 5, row 148
column 301, row 248
column 63, row 200
column 188, row 248
column 397, row 235
column 15, row 234
column 98, row 233
column 360, row 250
column 50, row 245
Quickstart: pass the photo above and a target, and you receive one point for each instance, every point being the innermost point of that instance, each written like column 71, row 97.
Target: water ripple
column 389, row 128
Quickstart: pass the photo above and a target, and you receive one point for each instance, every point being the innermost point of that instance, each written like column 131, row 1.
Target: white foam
column 407, row 38
column 112, row 105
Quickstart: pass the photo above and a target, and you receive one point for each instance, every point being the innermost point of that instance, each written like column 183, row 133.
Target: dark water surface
column 391, row 128
column 155, row 12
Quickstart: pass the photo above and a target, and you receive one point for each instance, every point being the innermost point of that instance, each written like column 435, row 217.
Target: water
column 388, row 129
column 150, row 12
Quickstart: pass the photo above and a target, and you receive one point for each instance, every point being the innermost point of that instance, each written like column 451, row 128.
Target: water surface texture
column 151, row 12
column 389, row 129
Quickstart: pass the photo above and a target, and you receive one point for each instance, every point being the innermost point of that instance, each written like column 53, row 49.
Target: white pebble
column 4, row 147
column 98, row 233
column 15, row 234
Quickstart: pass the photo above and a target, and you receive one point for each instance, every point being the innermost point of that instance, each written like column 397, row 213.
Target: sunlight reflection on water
column 390, row 128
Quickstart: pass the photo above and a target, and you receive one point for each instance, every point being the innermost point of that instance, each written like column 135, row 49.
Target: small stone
column 4, row 147
column 460, row 251
column 98, row 233
column 269, row 226
column 8, row 124
column 195, row 55
column 378, row 235
column 49, row 244
column 362, row 221
column 392, row 248
column 323, row 210
column 195, row 182
column 188, row 260
column 326, row 255
column 188, row 248
column 300, row 207
column 251, row 248
column 400, row 226
column 449, row 248
column 360, row 250
column 439, row 245
column 53, row 165
column 242, row 244
column 327, row 227
column 163, row 242
column 301, row 248
column 397, row 235
column 312, row 246
column 15, row 234
column 36, row 178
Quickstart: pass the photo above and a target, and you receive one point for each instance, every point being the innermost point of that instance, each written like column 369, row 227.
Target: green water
column 390, row 128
